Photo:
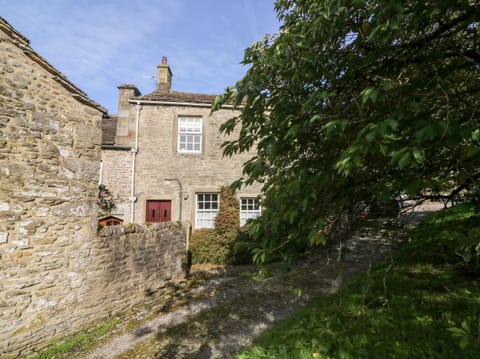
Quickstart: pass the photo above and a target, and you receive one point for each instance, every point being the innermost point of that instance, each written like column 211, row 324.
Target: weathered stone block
column 81, row 169
column 29, row 226
column 88, row 136
column 4, row 206
column 81, row 209
column 42, row 211
column 44, row 123
column 37, row 240
column 3, row 237
column 20, row 242
column 49, row 150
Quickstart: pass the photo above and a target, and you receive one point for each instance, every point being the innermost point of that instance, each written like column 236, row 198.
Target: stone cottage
column 162, row 156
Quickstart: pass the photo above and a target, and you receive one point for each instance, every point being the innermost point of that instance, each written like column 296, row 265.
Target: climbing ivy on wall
column 228, row 217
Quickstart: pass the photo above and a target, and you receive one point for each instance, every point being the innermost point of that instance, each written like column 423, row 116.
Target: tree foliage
column 356, row 100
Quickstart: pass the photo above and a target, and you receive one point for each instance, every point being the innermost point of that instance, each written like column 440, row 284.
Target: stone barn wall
column 49, row 166
column 56, row 275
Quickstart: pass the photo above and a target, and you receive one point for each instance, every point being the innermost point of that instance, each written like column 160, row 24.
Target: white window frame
column 190, row 133
column 250, row 208
column 207, row 205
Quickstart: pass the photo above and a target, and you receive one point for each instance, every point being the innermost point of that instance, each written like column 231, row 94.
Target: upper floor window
column 190, row 134
column 249, row 209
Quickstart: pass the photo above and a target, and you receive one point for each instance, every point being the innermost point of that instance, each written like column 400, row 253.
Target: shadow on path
column 234, row 306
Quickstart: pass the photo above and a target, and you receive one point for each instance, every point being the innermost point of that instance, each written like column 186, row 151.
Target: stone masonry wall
column 56, row 275
column 128, row 263
column 121, row 267
column 117, row 176
column 49, row 167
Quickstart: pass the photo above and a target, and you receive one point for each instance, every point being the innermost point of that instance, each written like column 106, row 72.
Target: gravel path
column 229, row 309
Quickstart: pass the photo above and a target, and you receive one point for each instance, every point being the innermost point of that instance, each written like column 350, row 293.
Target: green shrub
column 226, row 243
column 227, row 221
column 206, row 246
column 241, row 247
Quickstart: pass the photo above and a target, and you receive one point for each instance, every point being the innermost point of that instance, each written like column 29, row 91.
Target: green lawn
column 422, row 303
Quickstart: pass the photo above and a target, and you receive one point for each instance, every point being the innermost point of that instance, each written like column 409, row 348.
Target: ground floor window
column 206, row 209
column 249, row 208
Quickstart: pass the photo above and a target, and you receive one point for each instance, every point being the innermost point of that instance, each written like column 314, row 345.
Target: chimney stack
column 125, row 92
column 164, row 78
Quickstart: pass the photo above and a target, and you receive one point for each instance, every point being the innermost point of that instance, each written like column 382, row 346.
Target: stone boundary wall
column 121, row 267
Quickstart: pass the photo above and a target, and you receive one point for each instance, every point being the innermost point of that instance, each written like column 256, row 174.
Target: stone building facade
column 165, row 159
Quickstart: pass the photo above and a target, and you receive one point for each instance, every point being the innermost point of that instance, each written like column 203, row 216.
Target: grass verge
column 81, row 341
column 422, row 303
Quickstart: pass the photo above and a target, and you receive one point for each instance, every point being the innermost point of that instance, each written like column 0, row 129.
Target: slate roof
column 176, row 96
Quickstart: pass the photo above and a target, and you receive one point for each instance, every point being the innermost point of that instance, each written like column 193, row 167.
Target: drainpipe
column 134, row 152
column 100, row 178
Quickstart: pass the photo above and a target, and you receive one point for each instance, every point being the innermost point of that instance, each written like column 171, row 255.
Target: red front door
column 159, row 211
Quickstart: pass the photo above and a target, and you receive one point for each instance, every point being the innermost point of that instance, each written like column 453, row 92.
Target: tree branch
column 443, row 28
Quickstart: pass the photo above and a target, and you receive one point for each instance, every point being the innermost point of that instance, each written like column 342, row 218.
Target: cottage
column 162, row 156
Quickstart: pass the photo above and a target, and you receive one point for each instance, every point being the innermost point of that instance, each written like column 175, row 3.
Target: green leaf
column 397, row 155
column 217, row 103
column 390, row 123
column 335, row 127
column 371, row 135
column 402, row 158
column 370, row 93
column 418, row 154
column 294, row 130
column 384, row 149
column 476, row 135
column 405, row 160
column 316, row 118
column 344, row 166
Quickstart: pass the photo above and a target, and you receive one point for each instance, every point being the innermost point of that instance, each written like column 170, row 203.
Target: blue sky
column 100, row 44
